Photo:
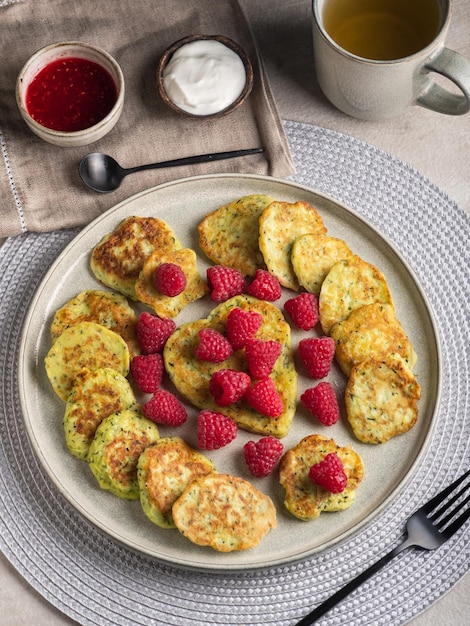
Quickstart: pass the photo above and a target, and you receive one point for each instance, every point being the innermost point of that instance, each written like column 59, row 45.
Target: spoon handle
column 201, row 158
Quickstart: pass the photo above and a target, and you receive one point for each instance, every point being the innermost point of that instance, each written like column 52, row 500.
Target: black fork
column 428, row 528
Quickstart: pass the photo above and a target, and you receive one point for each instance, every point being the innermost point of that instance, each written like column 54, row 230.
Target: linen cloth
column 39, row 183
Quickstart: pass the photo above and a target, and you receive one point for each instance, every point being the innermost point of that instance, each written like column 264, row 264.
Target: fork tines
column 447, row 507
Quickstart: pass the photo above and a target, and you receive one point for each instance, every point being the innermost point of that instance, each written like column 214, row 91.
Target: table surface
column 436, row 145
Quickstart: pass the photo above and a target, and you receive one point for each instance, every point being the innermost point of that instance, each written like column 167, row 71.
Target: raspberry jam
column 71, row 94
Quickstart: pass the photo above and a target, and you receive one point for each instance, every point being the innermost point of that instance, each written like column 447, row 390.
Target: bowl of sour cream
column 203, row 76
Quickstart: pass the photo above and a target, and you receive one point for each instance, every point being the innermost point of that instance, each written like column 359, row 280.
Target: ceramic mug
column 378, row 88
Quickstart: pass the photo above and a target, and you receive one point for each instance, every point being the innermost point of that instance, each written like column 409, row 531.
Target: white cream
column 204, row 77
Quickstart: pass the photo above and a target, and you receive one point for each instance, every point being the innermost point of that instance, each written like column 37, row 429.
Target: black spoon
column 102, row 173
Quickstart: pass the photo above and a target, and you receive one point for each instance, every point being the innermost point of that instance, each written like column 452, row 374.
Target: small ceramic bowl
column 70, row 50
column 234, row 47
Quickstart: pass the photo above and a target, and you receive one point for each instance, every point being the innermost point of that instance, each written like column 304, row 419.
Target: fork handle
column 328, row 604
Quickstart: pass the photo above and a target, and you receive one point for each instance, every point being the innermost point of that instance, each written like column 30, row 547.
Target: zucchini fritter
column 371, row 330
column 103, row 307
column 279, row 226
column 224, row 512
column 114, row 452
column 349, row 284
column 119, row 257
column 381, row 399
column 165, row 306
column 229, row 235
column 84, row 346
column 305, row 499
column 95, row 395
column 164, row 470
column 313, row 256
column 191, row 376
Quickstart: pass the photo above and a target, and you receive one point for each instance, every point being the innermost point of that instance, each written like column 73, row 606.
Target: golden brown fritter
column 119, row 257
column 164, row 470
column 305, row 499
column 381, row 399
column 349, row 284
column 103, row 307
column 224, row 512
column 229, row 235
column 165, row 306
column 279, row 226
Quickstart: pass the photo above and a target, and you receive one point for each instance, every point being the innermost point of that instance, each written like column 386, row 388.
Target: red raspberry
column 153, row 331
column 225, row 282
column 264, row 398
column 317, row 355
column 265, row 286
column 213, row 346
column 261, row 457
column 214, row 430
column 170, row 280
column 329, row 473
column 165, row 408
column 242, row 326
column 147, row 372
column 228, row 386
column 322, row 403
column 261, row 357
column 303, row 310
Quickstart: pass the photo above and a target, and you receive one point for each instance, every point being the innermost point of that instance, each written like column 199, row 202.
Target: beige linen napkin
column 40, row 189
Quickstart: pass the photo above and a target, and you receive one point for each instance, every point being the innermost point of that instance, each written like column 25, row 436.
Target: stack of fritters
column 191, row 376
column 355, row 303
column 126, row 260
column 373, row 350
column 103, row 307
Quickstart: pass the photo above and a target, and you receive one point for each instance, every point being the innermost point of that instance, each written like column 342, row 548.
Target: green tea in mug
column 382, row 29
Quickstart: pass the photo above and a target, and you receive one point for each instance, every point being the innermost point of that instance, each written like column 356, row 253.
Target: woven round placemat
column 95, row 580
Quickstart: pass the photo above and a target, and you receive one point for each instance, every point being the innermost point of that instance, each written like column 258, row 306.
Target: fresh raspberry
column 261, row 357
column 213, row 346
column 225, row 282
column 322, row 403
column 317, row 355
column 242, row 326
column 147, row 371
column 264, row 398
column 170, row 280
column 303, row 310
column 265, row 286
column 228, row 386
column 261, row 457
column 329, row 473
column 153, row 331
column 214, row 430
column 165, row 408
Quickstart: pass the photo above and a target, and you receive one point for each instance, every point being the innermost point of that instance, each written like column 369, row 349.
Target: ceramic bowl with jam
column 70, row 93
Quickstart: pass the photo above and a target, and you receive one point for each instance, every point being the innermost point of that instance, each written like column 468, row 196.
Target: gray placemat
column 94, row 580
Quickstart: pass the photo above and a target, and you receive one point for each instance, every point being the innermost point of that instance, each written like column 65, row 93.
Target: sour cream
column 204, row 77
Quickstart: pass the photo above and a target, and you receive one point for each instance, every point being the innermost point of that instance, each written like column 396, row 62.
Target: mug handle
column 456, row 68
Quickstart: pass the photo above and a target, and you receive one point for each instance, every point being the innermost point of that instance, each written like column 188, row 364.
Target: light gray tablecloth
column 91, row 579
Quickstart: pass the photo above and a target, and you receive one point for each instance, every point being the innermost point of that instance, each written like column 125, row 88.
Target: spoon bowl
column 102, row 173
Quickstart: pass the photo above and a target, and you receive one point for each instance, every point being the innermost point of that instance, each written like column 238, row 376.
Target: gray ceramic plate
column 388, row 467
